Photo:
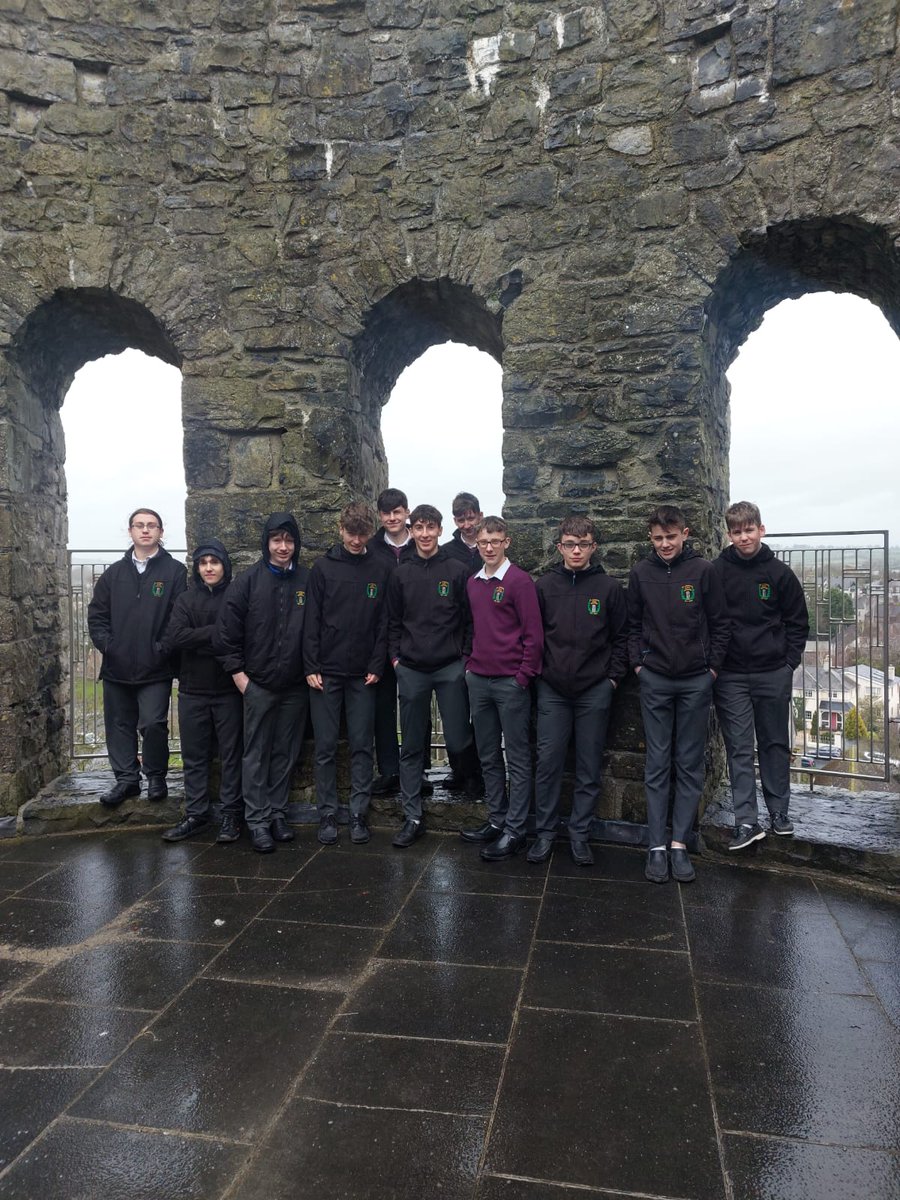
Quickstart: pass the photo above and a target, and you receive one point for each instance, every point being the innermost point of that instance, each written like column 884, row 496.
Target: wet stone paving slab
column 198, row 1021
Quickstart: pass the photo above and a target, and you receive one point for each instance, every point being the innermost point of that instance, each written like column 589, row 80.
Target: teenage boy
column 678, row 633
column 127, row 618
column 585, row 659
column 429, row 636
column 391, row 543
column 507, row 644
column 769, row 628
column 259, row 642
column 344, row 652
column 209, row 705
column 466, row 516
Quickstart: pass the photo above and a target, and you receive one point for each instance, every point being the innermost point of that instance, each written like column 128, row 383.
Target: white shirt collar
column 398, row 545
column 498, row 574
column 141, row 563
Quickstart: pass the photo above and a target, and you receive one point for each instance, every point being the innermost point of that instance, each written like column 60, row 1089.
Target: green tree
column 854, row 727
column 814, row 727
column 799, row 713
column 826, row 612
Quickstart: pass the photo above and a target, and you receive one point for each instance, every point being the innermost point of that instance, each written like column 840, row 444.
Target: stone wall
column 290, row 201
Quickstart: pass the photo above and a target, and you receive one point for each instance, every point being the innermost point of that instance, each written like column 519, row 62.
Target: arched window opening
column 443, row 429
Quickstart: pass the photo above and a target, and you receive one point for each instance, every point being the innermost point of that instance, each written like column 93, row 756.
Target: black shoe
column 119, row 792
column 540, row 850
column 506, row 846
column 185, row 829
column 156, row 787
column 682, row 869
column 781, row 824
column 656, row 868
column 454, row 782
column 359, row 830
column 582, row 855
column 280, row 830
column 385, row 784
column 746, row 835
column 409, row 833
column 230, row 829
column 426, row 787
column 484, row 833
column 261, row 840
column 328, row 834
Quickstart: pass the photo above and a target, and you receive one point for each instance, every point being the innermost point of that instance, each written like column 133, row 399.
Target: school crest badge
column 688, row 593
column 594, row 606
column 300, row 599
column 372, row 590
column 497, row 594
column 158, row 588
column 444, row 587
column 765, row 591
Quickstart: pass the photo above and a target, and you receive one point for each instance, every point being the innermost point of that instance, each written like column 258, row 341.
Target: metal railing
column 845, row 694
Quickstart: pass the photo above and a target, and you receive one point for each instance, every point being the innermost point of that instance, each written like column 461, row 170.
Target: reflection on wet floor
column 200, row 1021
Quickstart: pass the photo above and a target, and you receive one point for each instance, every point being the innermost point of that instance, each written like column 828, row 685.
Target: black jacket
column 382, row 552
column 128, row 614
column 767, row 607
column 260, row 627
column 429, row 619
column 458, row 549
column 346, row 622
column 677, row 624
column 585, row 622
column 192, row 626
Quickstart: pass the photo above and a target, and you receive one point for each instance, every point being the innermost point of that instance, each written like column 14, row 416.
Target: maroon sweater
column 509, row 633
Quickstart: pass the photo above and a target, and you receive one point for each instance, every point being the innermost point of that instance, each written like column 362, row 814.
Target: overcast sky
column 815, row 429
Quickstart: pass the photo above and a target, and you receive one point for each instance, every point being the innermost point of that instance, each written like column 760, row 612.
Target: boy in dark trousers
column 506, row 653
column 259, row 642
column 344, row 653
column 769, row 628
column 678, row 633
column 209, row 704
column 585, row 659
column 429, row 634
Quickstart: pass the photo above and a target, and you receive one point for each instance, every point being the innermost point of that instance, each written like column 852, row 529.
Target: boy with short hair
column 507, row 645
column 769, row 628
column 209, row 704
column 344, row 653
column 389, row 545
column 466, row 515
column 585, row 659
column 678, row 634
column 429, row 634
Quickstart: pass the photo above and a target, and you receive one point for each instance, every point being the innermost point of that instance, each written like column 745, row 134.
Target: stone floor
column 199, row 1021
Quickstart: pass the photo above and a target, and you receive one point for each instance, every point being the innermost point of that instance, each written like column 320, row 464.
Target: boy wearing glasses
column 585, row 658
column 506, row 654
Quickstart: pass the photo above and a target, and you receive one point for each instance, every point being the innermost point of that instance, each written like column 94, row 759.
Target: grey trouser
column 449, row 685
column 588, row 713
column 204, row 722
column 128, row 710
column 676, row 724
column 759, row 702
column 358, row 702
column 274, row 725
column 387, row 751
column 502, row 710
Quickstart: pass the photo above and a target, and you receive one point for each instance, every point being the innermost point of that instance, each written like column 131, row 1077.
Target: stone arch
column 397, row 330
column 73, row 327
column 784, row 262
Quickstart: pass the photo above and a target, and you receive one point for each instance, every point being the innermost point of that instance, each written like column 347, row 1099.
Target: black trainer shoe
column 656, row 868
column 582, row 855
column 484, row 833
column 119, row 792
column 506, row 846
column 746, row 835
column 328, row 834
column 280, row 829
column 185, row 829
column 781, row 824
column 410, row 832
column 156, row 787
column 261, row 840
column 385, row 784
column 230, row 829
column 359, row 830
column 540, row 850
column 682, row 867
